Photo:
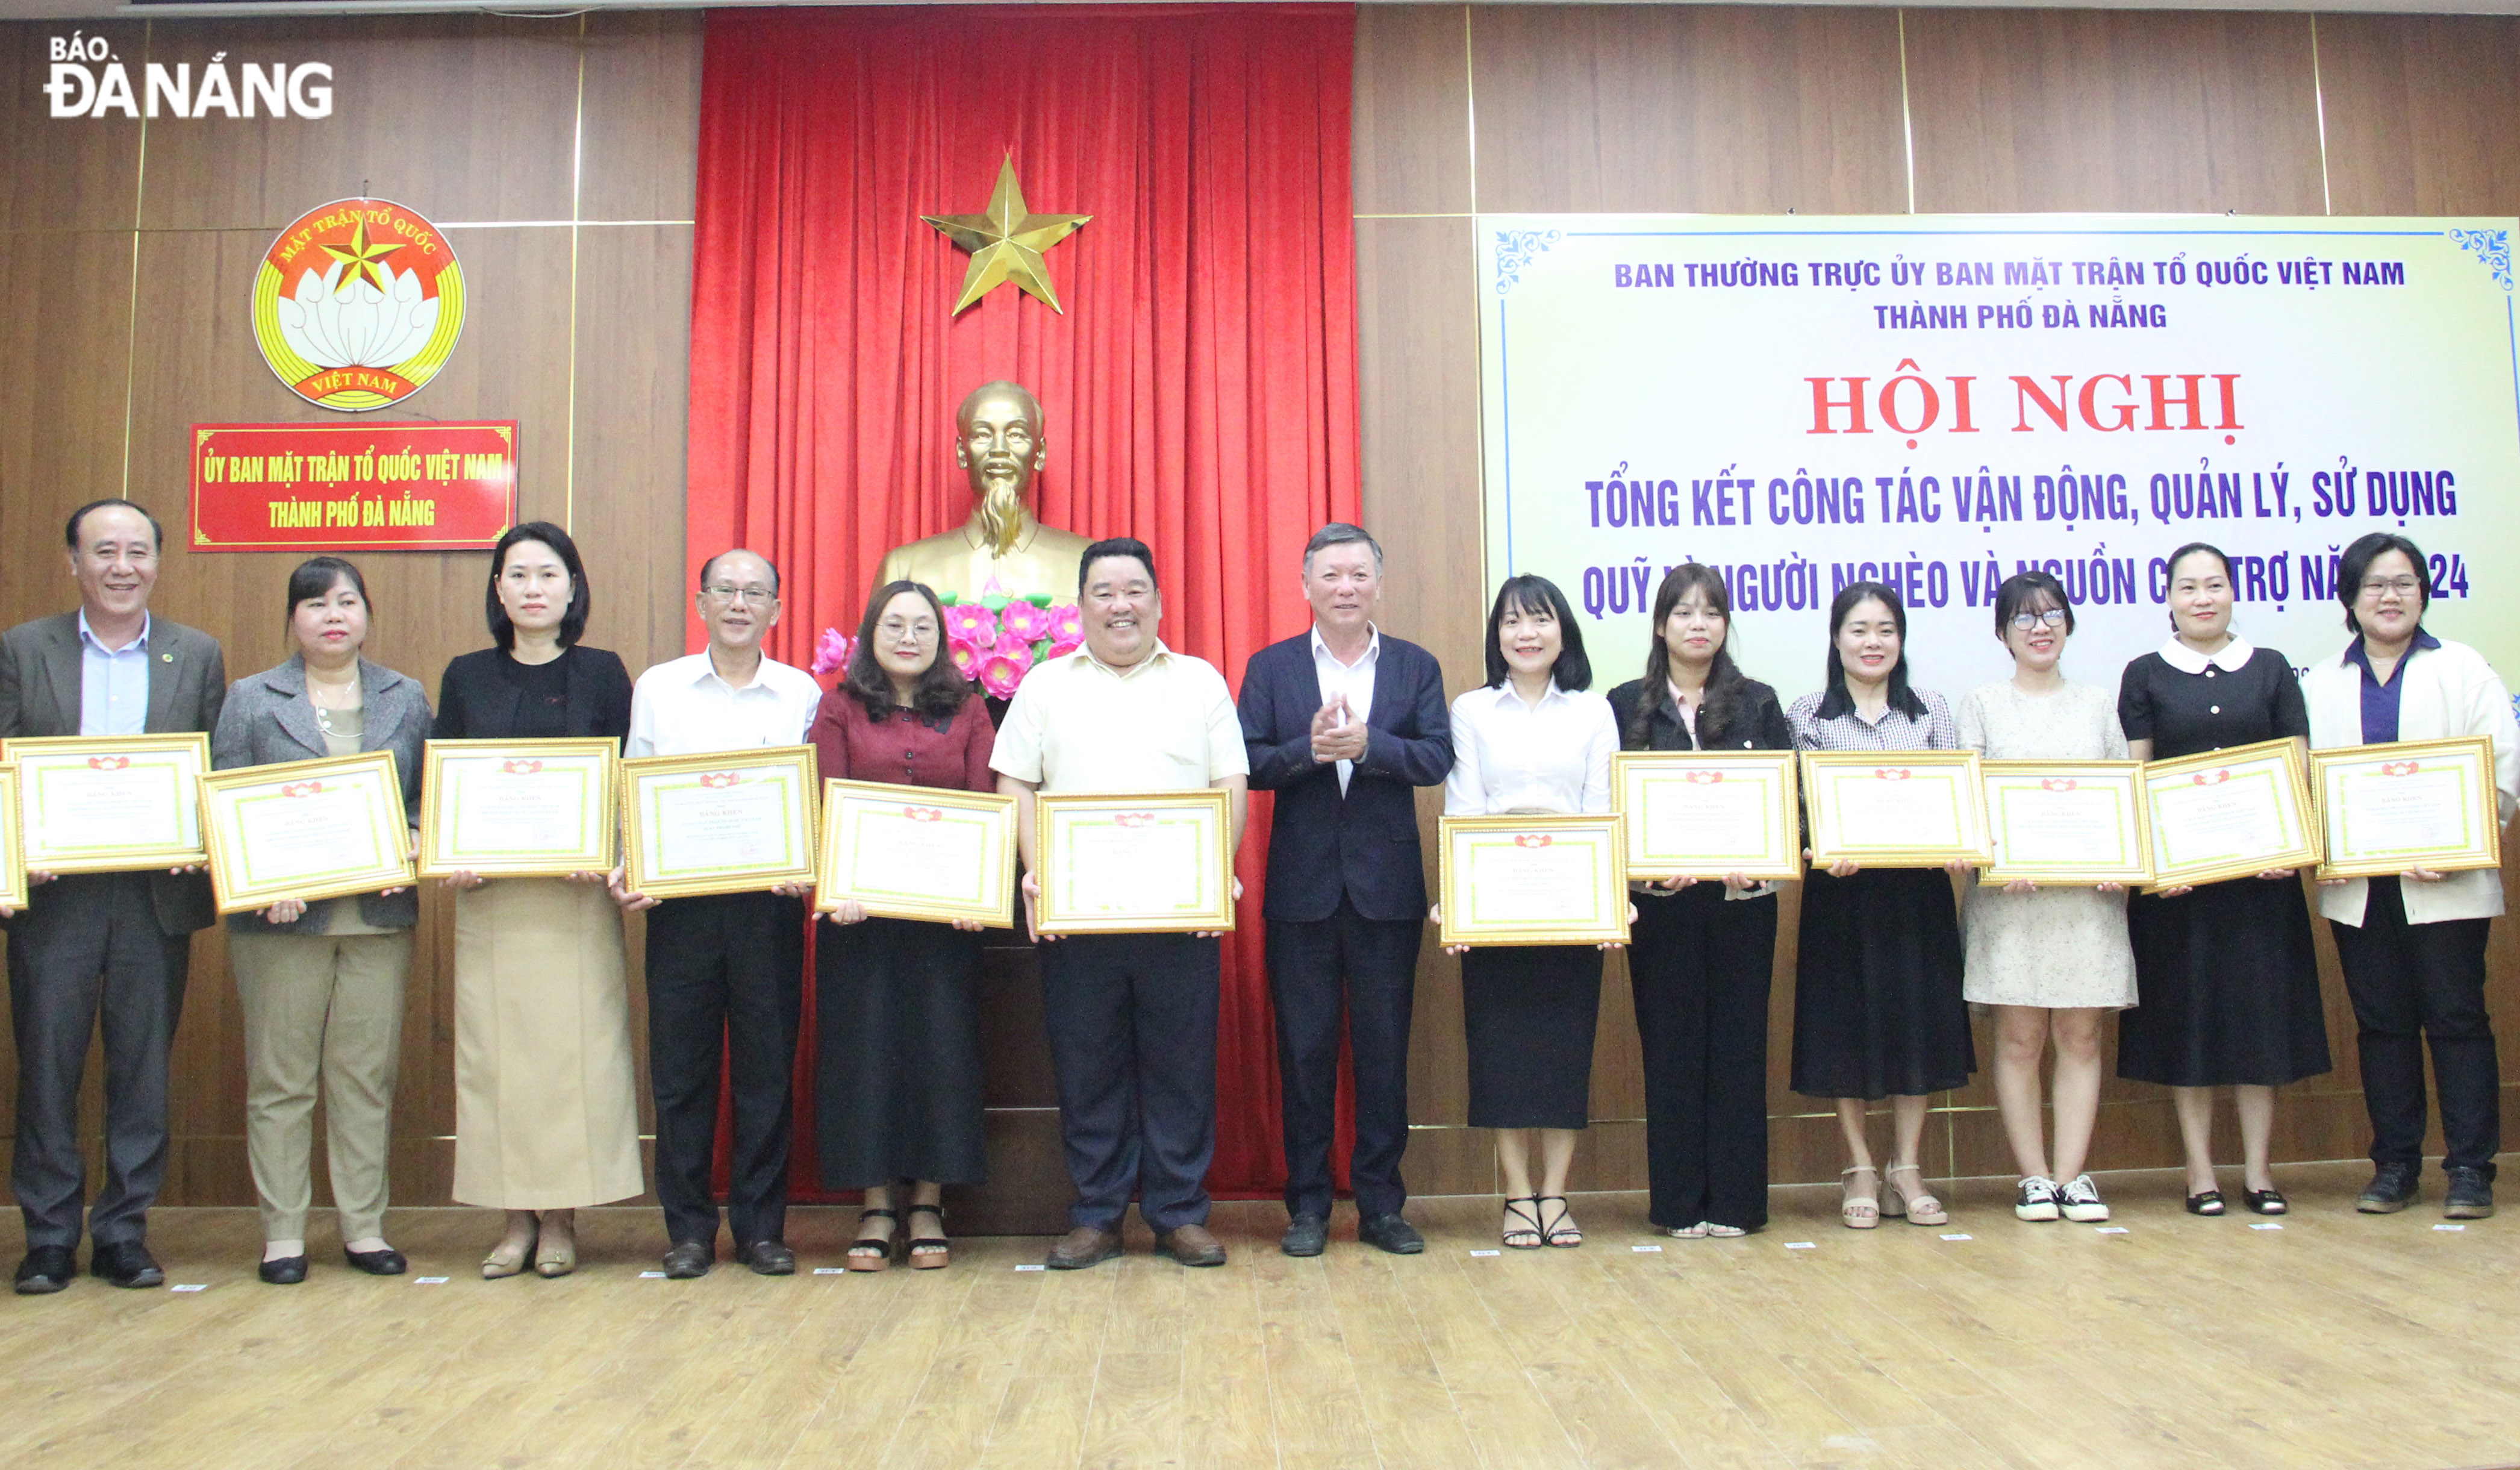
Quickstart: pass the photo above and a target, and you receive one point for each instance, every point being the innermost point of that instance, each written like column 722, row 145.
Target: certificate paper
column 2388, row 808
column 2065, row 822
column 13, row 854
column 1896, row 808
column 2230, row 813
column 726, row 822
column 918, row 852
column 1707, row 815
column 1135, row 862
column 518, row 809
column 1534, row 880
column 111, row 804
column 306, row 830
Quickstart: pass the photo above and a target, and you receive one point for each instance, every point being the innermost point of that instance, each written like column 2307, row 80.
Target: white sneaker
column 2038, row 1200
column 2082, row 1201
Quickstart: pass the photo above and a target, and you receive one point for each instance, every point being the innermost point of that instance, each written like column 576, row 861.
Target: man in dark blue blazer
column 1343, row 723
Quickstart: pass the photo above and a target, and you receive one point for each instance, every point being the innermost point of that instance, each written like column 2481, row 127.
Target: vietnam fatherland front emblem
column 358, row 303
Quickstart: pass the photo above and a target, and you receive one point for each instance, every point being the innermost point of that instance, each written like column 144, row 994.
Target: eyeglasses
column 759, row 597
column 2023, row 622
column 2403, row 587
column 896, row 629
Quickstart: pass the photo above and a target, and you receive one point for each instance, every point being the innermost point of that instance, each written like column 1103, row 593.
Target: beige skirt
column 546, row 1103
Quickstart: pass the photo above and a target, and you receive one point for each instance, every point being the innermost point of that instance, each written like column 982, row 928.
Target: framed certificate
column 1895, row 809
column 13, row 850
column 2417, row 804
column 518, row 809
column 726, row 822
column 2230, row 814
column 305, row 829
column 1707, row 815
column 918, row 852
column 1138, row 862
column 111, row 804
column 2067, row 823
column 1534, row 880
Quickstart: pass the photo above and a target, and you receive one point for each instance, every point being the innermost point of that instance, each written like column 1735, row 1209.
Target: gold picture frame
column 1666, row 796
column 2109, row 792
column 873, row 833
column 74, row 800
column 1856, row 832
column 2342, row 779
column 1187, row 834
column 306, row 830
column 1504, row 854
column 449, row 769
column 2278, row 767
column 752, row 809
column 14, row 888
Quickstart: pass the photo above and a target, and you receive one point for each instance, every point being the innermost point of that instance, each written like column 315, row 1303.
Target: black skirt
column 2227, row 989
column 1530, row 1012
column 1877, row 1007
column 897, row 1089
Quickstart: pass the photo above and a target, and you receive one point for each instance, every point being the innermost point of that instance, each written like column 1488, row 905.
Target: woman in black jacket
column 1701, row 955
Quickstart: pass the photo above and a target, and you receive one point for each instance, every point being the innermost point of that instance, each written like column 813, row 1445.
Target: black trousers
column 1132, row 1021
column 725, row 979
column 1700, row 968
column 2411, row 983
column 1364, row 971
column 89, row 949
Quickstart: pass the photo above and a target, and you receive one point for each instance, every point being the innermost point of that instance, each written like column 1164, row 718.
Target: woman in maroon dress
column 897, row 1089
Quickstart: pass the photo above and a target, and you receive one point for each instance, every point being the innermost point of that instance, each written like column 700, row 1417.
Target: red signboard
column 362, row 487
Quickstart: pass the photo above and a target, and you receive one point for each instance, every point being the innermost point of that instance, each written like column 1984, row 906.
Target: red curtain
column 1200, row 387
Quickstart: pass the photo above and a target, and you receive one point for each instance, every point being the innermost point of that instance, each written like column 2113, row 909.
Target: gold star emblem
column 1007, row 241
column 359, row 260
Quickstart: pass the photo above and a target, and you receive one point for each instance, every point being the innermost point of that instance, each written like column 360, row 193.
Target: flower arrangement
column 993, row 639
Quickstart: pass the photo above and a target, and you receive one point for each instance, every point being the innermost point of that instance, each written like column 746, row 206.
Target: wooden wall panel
column 1412, row 114
column 1688, row 108
column 64, row 376
column 2421, row 111
column 633, row 367
column 2113, row 110
column 66, row 173
column 643, row 105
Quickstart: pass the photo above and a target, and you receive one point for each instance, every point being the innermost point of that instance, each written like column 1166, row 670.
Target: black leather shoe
column 287, row 1270
column 689, row 1259
column 2470, row 1196
column 2392, row 1189
column 768, row 1257
column 46, row 1269
column 1306, row 1235
column 386, row 1263
column 1392, row 1233
column 126, row 1263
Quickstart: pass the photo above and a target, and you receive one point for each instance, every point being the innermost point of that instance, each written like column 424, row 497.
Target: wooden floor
column 2341, row 1340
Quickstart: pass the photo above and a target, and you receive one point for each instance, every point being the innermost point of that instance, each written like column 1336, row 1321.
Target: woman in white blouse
column 1532, row 739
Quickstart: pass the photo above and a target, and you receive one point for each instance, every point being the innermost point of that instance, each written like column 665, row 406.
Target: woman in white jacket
column 2413, row 946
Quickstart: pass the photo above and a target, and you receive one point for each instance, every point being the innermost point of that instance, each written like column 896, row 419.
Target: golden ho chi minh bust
column 1004, row 548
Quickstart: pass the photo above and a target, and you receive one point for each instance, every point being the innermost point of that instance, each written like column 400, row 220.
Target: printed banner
column 1939, row 401
column 359, row 486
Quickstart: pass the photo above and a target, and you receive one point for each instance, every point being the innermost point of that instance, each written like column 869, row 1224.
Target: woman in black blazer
column 1699, row 961
column 546, row 1107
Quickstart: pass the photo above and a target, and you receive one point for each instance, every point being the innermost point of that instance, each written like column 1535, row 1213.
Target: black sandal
column 2208, row 1202
column 2264, row 1201
column 929, row 1253
column 870, row 1252
column 1522, row 1237
column 1563, row 1233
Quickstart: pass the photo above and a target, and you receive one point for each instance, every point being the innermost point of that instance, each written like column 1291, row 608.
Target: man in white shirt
column 724, row 971
column 1131, row 1017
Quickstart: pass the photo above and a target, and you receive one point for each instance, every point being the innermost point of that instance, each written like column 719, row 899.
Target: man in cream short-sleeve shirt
column 1131, row 1017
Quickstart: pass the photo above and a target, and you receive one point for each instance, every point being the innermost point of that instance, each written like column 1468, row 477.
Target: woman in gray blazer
column 322, row 983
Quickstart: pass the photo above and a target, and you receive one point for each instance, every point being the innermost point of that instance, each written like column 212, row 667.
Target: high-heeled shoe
column 555, row 1253
column 1859, row 1212
column 873, row 1253
column 1921, row 1208
column 508, row 1260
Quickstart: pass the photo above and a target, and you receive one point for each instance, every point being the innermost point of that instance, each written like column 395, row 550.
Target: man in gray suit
column 115, row 944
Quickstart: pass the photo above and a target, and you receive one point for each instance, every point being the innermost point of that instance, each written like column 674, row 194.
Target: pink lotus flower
column 831, row 652
column 1061, row 648
column 970, row 622
column 1025, row 621
column 967, row 656
column 1066, row 624
column 1018, row 651
column 999, row 676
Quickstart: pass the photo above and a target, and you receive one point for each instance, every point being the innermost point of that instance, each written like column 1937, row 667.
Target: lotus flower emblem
column 923, row 813
column 2398, row 768
column 520, row 767
column 303, row 789
column 1532, row 839
column 2210, row 778
column 1704, row 778
column 1134, row 819
column 366, row 316
column 2059, row 783
column 1891, row 773
column 714, row 780
column 107, row 763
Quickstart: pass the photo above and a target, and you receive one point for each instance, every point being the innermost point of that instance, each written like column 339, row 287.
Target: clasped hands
column 1337, row 733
